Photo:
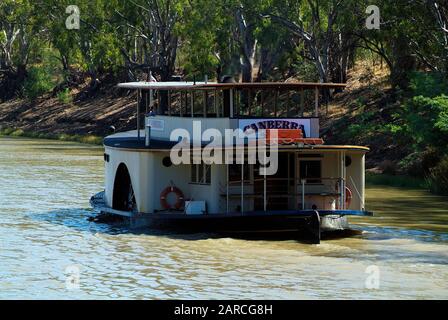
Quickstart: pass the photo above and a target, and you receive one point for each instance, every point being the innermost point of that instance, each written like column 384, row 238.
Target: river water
column 49, row 250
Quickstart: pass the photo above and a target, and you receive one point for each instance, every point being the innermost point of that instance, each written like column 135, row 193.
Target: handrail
column 330, row 187
column 287, row 179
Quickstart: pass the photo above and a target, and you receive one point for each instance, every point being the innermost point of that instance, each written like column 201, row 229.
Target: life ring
column 163, row 198
column 348, row 197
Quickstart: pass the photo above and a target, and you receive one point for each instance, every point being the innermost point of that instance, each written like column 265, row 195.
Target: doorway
column 277, row 185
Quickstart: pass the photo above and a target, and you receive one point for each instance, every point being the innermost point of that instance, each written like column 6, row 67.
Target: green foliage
column 418, row 163
column 38, row 82
column 402, row 181
column 88, row 139
column 64, row 96
column 428, row 84
column 427, row 122
column 438, row 178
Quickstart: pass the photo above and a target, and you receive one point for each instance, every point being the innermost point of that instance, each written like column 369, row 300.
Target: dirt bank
column 48, row 115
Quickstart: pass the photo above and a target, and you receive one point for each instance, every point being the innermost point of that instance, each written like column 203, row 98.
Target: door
column 277, row 185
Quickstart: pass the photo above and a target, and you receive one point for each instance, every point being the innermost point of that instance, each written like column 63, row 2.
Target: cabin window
column 167, row 162
column 201, row 173
column 311, row 170
column 235, row 172
column 348, row 161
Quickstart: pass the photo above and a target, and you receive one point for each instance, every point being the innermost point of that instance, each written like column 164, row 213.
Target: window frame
column 248, row 170
column 315, row 181
column 202, row 172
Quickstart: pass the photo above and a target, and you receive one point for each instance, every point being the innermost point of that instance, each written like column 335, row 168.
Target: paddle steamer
column 311, row 188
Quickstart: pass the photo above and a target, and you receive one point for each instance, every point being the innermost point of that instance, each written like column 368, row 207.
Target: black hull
column 261, row 227
column 296, row 224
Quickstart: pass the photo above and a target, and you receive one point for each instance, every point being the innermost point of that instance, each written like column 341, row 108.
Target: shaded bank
column 47, row 116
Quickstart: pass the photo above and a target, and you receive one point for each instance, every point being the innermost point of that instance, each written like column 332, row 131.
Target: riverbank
column 87, row 139
column 49, row 117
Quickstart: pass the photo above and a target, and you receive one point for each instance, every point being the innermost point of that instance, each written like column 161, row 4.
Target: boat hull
column 300, row 223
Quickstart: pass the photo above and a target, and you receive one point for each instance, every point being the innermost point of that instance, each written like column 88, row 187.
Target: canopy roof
column 180, row 85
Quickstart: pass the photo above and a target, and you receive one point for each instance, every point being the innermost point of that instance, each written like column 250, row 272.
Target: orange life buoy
column 163, row 198
column 348, row 197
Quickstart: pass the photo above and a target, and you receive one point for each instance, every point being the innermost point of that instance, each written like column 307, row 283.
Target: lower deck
column 318, row 178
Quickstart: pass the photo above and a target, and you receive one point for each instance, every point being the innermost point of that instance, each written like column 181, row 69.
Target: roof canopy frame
column 236, row 90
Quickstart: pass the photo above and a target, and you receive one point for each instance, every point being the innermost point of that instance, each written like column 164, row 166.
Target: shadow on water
column 371, row 237
column 82, row 220
column 389, row 233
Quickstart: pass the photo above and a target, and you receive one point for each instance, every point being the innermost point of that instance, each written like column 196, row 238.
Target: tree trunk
column 403, row 63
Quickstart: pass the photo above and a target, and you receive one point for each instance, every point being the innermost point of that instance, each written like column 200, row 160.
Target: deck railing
column 287, row 188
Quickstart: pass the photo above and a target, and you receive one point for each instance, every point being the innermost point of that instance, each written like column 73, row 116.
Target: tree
column 18, row 32
column 149, row 28
column 315, row 24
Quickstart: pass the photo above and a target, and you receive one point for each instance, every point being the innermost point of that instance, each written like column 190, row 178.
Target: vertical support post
column 227, row 188
column 242, row 186
column 288, row 103
column 138, row 114
column 192, row 103
column 264, row 192
column 147, row 102
column 205, row 97
column 181, row 103
column 221, row 103
column 296, row 191
column 169, row 102
column 205, row 94
column 215, row 101
column 276, row 102
column 289, row 177
column 302, row 102
column 303, row 194
column 231, row 104
column 262, row 103
column 159, row 103
column 316, row 101
column 341, row 182
column 250, row 102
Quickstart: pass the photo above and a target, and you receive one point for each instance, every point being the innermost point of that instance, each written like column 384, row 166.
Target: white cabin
column 141, row 178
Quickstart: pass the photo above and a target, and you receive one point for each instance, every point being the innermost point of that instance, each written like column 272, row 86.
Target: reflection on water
column 44, row 192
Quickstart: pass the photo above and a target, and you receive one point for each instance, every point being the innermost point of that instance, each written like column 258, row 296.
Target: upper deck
column 267, row 105
column 232, row 100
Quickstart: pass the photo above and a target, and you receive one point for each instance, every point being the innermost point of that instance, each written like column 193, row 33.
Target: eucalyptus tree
column 148, row 30
column 304, row 20
column 223, row 35
column 411, row 37
column 19, row 31
column 209, row 39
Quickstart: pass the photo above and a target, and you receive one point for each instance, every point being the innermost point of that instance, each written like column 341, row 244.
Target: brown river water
column 46, row 240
